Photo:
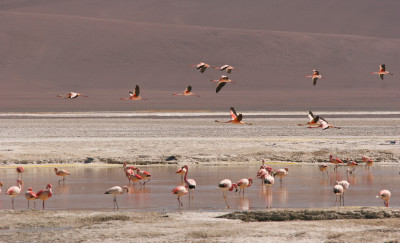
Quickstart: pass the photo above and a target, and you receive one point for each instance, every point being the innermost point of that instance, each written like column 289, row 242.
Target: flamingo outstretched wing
column 233, row 113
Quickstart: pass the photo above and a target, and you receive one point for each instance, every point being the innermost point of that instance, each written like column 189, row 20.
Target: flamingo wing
column 219, row 87
column 233, row 113
column 239, row 117
column 137, row 90
column 310, row 115
column 325, row 124
column 188, row 89
column 316, row 119
column 130, row 93
column 382, row 67
column 314, row 81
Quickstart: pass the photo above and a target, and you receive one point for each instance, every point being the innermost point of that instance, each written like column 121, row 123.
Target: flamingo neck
column 187, row 170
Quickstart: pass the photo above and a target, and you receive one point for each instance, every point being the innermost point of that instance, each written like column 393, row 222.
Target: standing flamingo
column 180, row 191
column 201, row 66
column 351, row 164
column 315, row 76
column 20, row 170
column 335, row 161
column 323, row 167
column 115, row 191
column 30, row 195
column 134, row 95
column 62, row 173
column 338, row 190
column 14, row 191
column 190, row 183
column 269, row 180
column 72, row 95
column 313, row 120
column 236, row 119
column 45, row 194
column 144, row 174
column 368, row 162
column 244, row 183
column 187, row 92
column 221, row 82
column 345, row 185
column 226, row 185
column 385, row 195
column 182, row 172
column 135, row 178
column 227, row 68
column 382, row 71
column 282, row 173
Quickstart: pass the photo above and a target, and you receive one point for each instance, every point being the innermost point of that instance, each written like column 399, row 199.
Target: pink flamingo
column 345, row 185
column 221, row 82
column 338, row 190
column 382, row 71
column 72, row 95
column 135, row 178
column 227, row 68
column 30, row 195
column 236, row 119
column 323, row 167
column 190, row 183
column 351, row 164
column 144, row 174
column 187, row 92
column 368, row 162
column 244, row 183
column 201, row 66
column 335, row 161
column 385, row 195
column 134, row 95
column 14, row 191
column 180, row 191
column 62, row 173
column 226, row 185
column 282, row 173
column 45, row 194
column 182, row 172
column 315, row 76
column 20, row 170
column 115, row 191
column 129, row 171
column 269, row 180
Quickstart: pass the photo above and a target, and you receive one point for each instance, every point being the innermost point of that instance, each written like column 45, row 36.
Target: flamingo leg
column 179, row 201
column 28, row 204
column 115, row 201
column 34, row 204
column 226, row 201
column 12, row 202
column 43, row 204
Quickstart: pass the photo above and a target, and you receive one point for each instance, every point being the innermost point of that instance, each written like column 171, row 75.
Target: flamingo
column 335, row 161
column 244, row 183
column 202, row 66
column 129, row 171
column 323, row 167
column 314, row 120
column 227, row 68
column 134, row 95
column 345, row 185
column 20, row 170
column 236, row 119
column 338, row 190
column 144, row 174
column 182, row 172
column 135, row 178
column 351, row 164
column 385, row 195
column 221, row 82
column 325, row 125
column 62, row 173
column 180, row 191
column 382, row 71
column 115, row 191
column 14, row 191
column 187, row 92
column 72, row 95
column 30, row 195
column 190, row 183
column 368, row 161
column 45, row 194
column 227, row 185
column 282, row 173
column 261, row 174
column 315, row 76
column 269, row 180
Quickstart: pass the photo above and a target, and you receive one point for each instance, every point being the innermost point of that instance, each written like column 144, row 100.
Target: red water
column 304, row 187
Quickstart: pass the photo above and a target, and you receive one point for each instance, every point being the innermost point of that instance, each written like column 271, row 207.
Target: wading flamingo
column 190, row 183
column 382, row 71
column 314, row 120
column 244, row 183
column 72, row 95
column 352, row 164
column 201, row 66
column 269, row 180
column 14, row 191
column 45, row 194
column 227, row 68
column 335, row 161
column 281, row 173
column 368, row 162
column 62, row 173
column 20, row 170
column 315, row 76
column 226, row 185
column 135, row 178
column 134, row 95
column 236, row 119
column 221, row 82
column 323, row 167
column 115, row 191
column 182, row 172
column 338, row 190
column 345, row 185
column 187, row 92
column 385, row 195
column 30, row 195
column 180, row 191
column 144, row 174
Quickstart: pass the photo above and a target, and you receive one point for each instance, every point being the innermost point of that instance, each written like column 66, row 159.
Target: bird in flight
column 134, row 95
column 201, row 66
column 221, row 82
column 187, row 92
column 236, row 119
column 382, row 71
column 71, row 95
column 315, row 76
column 314, row 120
column 226, row 68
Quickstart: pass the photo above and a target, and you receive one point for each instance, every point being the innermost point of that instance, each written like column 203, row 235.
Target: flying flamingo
column 227, row 68
column 190, row 183
column 144, row 174
column 323, row 167
column 226, row 185
column 20, row 170
column 202, row 66
column 14, row 191
column 244, row 183
column 45, row 194
column 352, row 164
column 180, row 191
column 187, row 92
column 335, row 161
column 182, row 172
column 134, row 95
column 221, row 82
column 315, row 77
column 345, row 185
column 338, row 190
column 115, row 191
column 385, row 195
column 72, row 95
column 30, row 195
column 236, row 119
column 325, row 125
column 62, row 173
column 314, row 120
column 282, row 173
column 382, row 71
